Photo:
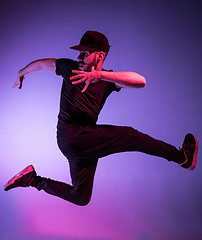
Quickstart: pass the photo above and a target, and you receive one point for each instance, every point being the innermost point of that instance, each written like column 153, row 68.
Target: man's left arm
column 121, row 79
column 124, row 79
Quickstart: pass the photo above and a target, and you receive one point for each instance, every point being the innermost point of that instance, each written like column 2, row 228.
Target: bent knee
column 83, row 201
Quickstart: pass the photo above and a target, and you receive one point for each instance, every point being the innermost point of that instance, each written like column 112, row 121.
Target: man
column 86, row 86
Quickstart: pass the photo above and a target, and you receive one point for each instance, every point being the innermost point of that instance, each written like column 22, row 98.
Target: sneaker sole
column 193, row 165
column 25, row 171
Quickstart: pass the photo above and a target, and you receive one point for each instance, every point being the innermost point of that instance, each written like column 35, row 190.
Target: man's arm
column 121, row 79
column 46, row 63
column 124, row 79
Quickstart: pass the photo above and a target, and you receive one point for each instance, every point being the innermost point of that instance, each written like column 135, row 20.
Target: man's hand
column 87, row 77
column 19, row 80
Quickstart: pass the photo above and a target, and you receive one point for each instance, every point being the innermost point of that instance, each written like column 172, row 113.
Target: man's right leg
column 79, row 193
column 101, row 140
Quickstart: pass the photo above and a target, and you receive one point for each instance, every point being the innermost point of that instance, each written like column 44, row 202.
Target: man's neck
column 99, row 66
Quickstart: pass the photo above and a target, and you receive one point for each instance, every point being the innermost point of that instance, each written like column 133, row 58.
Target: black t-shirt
column 75, row 106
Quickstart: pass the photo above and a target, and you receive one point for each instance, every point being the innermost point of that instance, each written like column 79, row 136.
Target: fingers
column 83, row 80
column 77, row 77
column 83, row 76
column 19, row 81
column 77, row 72
column 80, row 81
column 15, row 84
column 86, row 85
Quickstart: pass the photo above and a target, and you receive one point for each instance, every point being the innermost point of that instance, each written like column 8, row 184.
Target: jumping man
column 86, row 86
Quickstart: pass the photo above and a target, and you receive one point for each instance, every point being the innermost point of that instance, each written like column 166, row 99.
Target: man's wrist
column 98, row 75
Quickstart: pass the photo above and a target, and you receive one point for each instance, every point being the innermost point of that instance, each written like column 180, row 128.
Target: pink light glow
column 135, row 196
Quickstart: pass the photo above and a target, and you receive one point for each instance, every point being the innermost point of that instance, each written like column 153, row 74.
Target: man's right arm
column 46, row 63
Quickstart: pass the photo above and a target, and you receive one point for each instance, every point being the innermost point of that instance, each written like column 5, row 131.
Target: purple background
column 136, row 196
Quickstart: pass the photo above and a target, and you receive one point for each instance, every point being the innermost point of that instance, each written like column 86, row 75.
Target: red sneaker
column 22, row 179
column 190, row 149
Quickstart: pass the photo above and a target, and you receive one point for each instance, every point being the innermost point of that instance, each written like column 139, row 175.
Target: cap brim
column 83, row 48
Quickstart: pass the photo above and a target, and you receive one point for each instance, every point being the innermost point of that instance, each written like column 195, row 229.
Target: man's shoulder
column 66, row 61
column 64, row 66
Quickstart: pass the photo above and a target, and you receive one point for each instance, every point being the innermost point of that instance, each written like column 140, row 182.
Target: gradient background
column 136, row 196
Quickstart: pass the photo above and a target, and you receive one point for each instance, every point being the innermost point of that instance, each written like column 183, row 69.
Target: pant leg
column 83, row 145
column 79, row 193
column 97, row 141
column 130, row 139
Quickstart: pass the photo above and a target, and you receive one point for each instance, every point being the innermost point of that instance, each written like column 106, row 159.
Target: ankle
column 35, row 182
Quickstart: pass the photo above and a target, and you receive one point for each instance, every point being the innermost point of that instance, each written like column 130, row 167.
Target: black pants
column 84, row 145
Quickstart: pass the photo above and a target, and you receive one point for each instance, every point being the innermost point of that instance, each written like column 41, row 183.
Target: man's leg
column 129, row 139
column 79, row 193
column 101, row 140
column 84, row 145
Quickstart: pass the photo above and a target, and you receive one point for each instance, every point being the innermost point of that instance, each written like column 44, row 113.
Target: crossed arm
column 121, row 79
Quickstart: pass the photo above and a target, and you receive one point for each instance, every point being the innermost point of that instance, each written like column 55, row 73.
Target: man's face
column 87, row 60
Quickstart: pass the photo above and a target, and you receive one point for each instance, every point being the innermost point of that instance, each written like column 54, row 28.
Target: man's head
column 93, row 47
column 93, row 41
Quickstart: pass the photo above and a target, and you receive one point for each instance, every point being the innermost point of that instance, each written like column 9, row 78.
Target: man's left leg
column 79, row 193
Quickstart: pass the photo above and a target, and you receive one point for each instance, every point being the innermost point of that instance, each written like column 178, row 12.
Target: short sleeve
column 117, row 89
column 64, row 67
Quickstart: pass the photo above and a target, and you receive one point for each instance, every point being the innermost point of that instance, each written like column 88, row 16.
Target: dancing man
column 86, row 86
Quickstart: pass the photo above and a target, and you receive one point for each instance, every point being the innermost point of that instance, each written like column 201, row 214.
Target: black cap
column 93, row 41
